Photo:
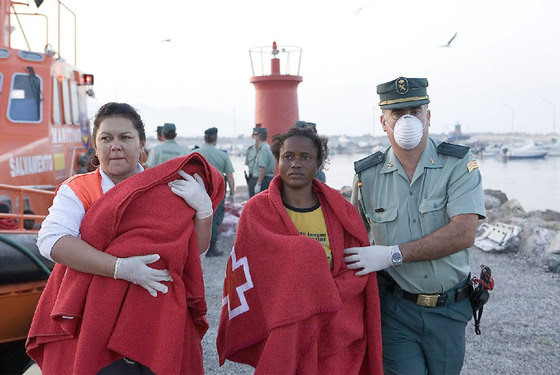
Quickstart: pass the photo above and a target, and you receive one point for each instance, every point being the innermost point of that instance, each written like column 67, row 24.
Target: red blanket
column 113, row 319
column 284, row 309
column 8, row 223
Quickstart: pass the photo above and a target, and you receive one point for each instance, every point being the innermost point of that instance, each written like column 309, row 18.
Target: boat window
column 25, row 98
column 75, row 111
column 66, row 101
column 57, row 118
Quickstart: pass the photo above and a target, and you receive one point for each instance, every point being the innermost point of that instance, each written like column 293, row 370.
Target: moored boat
column 528, row 150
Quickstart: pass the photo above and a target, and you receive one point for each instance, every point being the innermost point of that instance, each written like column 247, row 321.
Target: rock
column 491, row 202
column 554, row 247
column 554, row 263
column 535, row 242
column 500, row 195
column 510, row 212
column 546, row 215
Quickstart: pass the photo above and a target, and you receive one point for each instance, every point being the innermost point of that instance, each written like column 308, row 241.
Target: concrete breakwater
column 539, row 237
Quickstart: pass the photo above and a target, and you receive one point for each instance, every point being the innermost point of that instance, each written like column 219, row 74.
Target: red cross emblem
column 237, row 282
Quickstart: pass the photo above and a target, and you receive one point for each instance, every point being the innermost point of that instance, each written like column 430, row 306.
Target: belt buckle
column 428, row 300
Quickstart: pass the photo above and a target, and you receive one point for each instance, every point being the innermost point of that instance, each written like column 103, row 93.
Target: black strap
column 477, row 314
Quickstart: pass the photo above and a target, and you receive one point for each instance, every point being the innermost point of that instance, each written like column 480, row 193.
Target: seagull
column 450, row 40
column 362, row 7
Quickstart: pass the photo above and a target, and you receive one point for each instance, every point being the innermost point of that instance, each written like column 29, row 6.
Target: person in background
column 28, row 223
column 220, row 160
column 167, row 150
column 302, row 124
column 422, row 200
column 159, row 132
column 91, row 262
column 250, row 159
column 264, row 163
column 302, row 310
column 84, row 161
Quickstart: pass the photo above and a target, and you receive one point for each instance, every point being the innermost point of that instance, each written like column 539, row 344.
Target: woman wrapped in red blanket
column 120, row 234
column 290, row 305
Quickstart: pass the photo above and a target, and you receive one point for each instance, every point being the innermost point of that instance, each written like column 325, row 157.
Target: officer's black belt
column 440, row 299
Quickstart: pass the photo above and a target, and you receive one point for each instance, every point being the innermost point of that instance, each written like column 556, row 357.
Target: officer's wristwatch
column 396, row 256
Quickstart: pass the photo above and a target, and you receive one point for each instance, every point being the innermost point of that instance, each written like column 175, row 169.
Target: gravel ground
column 520, row 330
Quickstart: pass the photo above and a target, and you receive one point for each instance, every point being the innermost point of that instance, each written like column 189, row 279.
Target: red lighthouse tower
column 276, row 86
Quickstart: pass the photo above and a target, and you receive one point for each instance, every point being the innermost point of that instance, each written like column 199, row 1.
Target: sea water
column 535, row 183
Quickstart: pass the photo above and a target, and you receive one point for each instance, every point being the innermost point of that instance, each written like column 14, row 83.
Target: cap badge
column 401, row 85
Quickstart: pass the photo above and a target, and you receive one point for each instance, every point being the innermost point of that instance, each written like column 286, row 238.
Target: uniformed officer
column 220, row 160
column 167, row 150
column 159, row 132
column 250, row 159
column 264, row 163
column 320, row 175
column 421, row 199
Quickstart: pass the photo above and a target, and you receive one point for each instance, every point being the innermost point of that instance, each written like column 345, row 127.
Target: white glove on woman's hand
column 370, row 258
column 135, row 270
column 192, row 190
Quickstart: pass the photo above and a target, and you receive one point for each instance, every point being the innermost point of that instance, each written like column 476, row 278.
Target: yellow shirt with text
column 311, row 223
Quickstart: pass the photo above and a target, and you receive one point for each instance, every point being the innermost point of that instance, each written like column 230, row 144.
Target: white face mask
column 408, row 131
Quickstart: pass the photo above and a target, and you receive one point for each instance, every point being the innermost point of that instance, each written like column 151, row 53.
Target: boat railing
column 22, row 193
column 48, row 48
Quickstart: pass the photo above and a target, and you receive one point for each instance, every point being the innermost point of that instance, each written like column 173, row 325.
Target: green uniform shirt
column 265, row 159
column 250, row 159
column 165, row 151
column 217, row 158
column 399, row 211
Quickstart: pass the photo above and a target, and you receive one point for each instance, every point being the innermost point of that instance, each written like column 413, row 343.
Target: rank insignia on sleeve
column 472, row 165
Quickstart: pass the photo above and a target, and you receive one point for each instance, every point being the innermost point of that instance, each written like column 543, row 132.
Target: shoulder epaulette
column 368, row 162
column 452, row 149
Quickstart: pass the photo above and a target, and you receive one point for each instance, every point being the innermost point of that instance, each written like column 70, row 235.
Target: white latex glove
column 136, row 270
column 257, row 188
column 192, row 190
column 369, row 258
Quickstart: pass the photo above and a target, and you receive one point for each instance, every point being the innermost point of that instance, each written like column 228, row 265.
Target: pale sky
column 502, row 69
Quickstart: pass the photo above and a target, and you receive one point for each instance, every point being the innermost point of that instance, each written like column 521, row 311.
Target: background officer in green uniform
column 220, row 160
column 265, row 162
column 167, row 150
column 250, row 159
column 422, row 200
column 320, row 175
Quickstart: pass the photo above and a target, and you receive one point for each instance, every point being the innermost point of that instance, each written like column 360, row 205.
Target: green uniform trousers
column 217, row 221
column 422, row 340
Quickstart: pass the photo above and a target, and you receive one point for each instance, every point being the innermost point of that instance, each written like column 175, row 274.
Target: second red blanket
column 284, row 309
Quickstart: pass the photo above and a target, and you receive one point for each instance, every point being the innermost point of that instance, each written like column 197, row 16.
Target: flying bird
column 450, row 40
column 363, row 7
column 166, row 40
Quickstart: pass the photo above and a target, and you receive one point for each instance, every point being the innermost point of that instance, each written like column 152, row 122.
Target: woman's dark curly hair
column 321, row 143
column 113, row 109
